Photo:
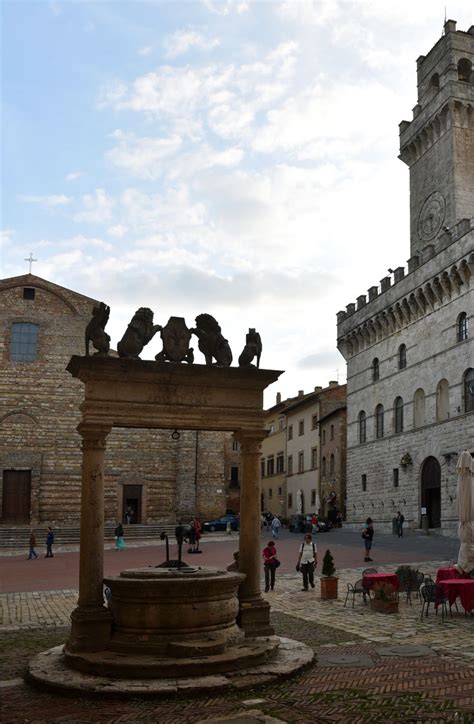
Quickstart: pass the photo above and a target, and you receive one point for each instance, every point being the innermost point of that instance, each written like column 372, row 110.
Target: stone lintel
column 139, row 393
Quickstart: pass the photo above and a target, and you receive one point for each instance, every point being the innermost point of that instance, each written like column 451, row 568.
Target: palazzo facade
column 409, row 343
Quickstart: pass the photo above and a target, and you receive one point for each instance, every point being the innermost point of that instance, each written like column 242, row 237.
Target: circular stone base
column 48, row 670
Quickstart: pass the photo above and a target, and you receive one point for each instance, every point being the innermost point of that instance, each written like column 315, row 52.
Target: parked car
column 302, row 524
column 221, row 523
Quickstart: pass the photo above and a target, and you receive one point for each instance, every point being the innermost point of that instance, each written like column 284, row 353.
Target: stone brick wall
column 39, row 413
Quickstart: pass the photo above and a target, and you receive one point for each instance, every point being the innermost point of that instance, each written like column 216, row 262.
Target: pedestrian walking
column 368, row 536
column 400, row 521
column 119, row 541
column 270, row 564
column 195, row 535
column 32, row 553
column 307, row 560
column 314, row 524
column 276, row 525
column 49, row 543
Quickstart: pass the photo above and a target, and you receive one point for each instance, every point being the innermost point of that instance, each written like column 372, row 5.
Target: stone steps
column 18, row 535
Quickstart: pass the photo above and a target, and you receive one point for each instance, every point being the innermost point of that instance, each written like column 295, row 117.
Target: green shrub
column 328, row 568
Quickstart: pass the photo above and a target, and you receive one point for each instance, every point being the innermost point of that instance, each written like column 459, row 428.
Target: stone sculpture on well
column 176, row 336
column 95, row 330
column 211, row 341
column 253, row 348
column 139, row 332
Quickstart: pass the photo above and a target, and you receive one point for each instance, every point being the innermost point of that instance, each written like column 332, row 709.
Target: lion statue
column 253, row 348
column 95, row 330
column 139, row 332
column 211, row 342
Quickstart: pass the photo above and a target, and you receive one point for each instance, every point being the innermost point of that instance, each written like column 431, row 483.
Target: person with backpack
column 368, row 535
column 307, row 560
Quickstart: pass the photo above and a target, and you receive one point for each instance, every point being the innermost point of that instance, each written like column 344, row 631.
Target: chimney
column 318, row 388
column 278, row 398
column 300, row 393
column 333, row 383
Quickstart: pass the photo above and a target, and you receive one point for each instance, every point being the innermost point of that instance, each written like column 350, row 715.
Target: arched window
column 468, row 390
column 461, row 327
column 331, row 464
column 398, row 414
column 419, row 408
column 24, row 342
column 402, row 357
column 362, row 422
column 465, row 70
column 331, row 432
column 442, row 400
column 379, row 421
column 323, row 466
column 375, row 369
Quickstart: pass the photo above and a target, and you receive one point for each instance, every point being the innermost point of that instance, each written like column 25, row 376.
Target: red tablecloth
column 371, row 580
column 462, row 587
column 444, row 573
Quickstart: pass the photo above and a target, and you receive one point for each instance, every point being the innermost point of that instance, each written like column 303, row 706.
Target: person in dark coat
column 49, row 543
column 400, row 521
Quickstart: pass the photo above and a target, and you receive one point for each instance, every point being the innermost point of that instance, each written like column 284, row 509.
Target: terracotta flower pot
column 376, row 604
column 328, row 587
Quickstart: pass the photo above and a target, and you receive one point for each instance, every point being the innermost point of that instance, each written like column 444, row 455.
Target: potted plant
column 328, row 579
column 384, row 599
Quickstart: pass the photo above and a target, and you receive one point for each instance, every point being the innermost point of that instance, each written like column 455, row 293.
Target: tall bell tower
column 438, row 144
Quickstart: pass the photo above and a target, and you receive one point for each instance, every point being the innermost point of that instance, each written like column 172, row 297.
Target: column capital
column 251, row 440
column 93, row 436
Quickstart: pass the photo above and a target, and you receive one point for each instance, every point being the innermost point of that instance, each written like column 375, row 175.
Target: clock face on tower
column 431, row 216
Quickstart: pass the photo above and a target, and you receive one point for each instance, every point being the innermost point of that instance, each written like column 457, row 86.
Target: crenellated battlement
column 392, row 306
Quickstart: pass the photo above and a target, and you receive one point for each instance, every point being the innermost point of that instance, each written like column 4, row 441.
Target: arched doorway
column 431, row 491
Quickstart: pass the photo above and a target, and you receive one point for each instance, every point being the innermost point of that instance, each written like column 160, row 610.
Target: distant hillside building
column 156, row 477
column 409, row 345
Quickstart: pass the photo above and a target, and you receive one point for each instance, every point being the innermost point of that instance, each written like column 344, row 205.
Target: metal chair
column 430, row 593
column 353, row 589
column 471, row 573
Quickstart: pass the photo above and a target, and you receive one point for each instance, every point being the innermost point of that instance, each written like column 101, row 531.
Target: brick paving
column 432, row 688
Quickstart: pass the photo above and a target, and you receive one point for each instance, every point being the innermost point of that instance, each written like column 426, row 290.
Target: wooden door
column 16, row 496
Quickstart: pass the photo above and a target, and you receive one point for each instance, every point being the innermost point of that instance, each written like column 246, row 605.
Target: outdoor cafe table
column 462, row 587
column 370, row 580
column 444, row 573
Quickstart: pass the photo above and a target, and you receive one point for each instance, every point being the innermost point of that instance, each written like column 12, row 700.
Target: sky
column 228, row 157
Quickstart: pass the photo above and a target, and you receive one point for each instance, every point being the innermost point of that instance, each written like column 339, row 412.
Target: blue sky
column 236, row 158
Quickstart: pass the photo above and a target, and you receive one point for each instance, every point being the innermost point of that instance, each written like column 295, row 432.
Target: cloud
column 97, row 208
column 327, row 358
column 51, row 200
column 182, row 41
column 225, row 7
column 146, row 50
column 142, row 157
column 6, row 235
column 73, row 175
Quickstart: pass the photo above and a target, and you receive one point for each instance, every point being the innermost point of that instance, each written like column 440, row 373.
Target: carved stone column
column 254, row 611
column 91, row 621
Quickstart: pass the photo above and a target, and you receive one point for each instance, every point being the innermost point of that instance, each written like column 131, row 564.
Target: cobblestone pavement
column 358, row 676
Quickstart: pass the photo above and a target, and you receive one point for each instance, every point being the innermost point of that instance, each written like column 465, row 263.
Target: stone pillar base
column 90, row 629
column 254, row 617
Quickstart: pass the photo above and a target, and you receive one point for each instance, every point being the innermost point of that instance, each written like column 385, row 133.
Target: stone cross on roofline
column 30, row 259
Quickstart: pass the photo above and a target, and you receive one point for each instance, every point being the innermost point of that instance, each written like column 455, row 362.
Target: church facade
column 409, row 343
column 155, row 476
